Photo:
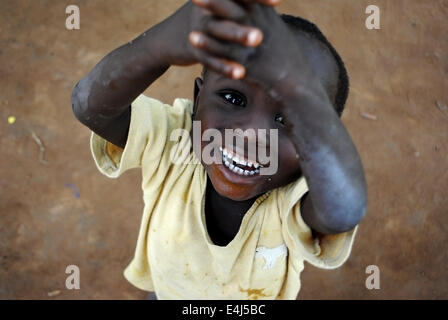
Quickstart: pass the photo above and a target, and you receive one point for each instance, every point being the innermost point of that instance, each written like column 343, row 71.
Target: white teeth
column 228, row 158
column 238, row 160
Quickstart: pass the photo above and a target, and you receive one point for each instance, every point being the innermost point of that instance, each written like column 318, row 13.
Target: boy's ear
column 197, row 88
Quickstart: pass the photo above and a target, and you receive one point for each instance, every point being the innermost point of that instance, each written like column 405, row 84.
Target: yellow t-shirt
column 174, row 255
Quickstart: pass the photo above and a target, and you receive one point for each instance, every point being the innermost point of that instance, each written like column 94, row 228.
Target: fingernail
column 237, row 73
column 195, row 38
column 253, row 37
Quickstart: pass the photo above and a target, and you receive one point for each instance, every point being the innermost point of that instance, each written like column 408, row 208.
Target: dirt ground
column 59, row 210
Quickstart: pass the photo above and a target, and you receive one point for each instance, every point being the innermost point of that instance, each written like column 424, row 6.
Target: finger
column 226, row 9
column 226, row 67
column 234, row 32
column 210, row 45
column 265, row 2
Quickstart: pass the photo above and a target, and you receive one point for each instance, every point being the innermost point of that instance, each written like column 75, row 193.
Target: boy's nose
column 254, row 135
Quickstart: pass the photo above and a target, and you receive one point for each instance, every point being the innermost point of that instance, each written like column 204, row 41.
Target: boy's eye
column 279, row 118
column 234, row 98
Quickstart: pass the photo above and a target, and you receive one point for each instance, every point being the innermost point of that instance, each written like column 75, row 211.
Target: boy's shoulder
column 179, row 103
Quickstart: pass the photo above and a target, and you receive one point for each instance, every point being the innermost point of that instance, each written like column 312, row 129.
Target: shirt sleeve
column 323, row 251
column 148, row 139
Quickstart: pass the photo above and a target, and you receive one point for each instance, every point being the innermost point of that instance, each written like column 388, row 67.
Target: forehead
column 317, row 54
column 321, row 59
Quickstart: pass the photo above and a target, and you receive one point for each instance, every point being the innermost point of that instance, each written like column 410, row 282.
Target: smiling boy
column 223, row 230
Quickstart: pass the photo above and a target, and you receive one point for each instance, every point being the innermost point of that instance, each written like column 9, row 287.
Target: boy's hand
column 274, row 63
column 189, row 36
column 278, row 63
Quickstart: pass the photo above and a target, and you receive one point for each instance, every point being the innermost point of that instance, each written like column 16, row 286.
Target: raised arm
column 337, row 197
column 101, row 100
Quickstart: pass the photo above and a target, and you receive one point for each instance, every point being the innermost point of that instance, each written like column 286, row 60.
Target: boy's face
column 223, row 103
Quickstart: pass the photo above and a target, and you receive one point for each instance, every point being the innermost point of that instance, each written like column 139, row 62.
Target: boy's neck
column 232, row 207
column 224, row 215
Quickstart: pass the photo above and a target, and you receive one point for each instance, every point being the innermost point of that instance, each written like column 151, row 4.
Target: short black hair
column 312, row 30
column 343, row 80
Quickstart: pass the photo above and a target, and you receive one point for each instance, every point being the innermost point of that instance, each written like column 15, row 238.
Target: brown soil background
column 398, row 73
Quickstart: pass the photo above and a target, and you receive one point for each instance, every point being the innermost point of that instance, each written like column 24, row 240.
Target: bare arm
column 101, row 100
column 337, row 197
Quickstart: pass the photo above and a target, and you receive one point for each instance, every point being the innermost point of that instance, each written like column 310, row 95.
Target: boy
column 221, row 229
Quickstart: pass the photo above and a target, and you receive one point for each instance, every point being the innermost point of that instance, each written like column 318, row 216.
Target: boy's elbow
column 79, row 106
column 349, row 214
column 353, row 216
column 340, row 216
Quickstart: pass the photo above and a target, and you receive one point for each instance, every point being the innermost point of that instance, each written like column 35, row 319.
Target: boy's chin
column 232, row 195
column 232, row 192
